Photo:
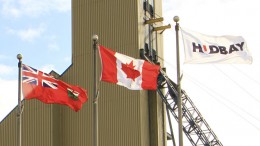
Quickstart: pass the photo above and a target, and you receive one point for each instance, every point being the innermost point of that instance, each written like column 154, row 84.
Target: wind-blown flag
column 47, row 89
column 200, row 48
column 134, row 74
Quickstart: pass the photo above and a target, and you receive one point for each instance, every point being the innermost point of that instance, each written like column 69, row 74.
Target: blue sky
column 41, row 32
column 226, row 95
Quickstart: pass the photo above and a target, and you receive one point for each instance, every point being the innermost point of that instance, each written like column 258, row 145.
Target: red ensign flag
column 134, row 74
column 47, row 89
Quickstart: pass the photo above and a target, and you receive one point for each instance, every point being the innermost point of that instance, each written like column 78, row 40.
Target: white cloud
column 67, row 59
column 8, row 98
column 53, row 45
column 2, row 57
column 28, row 34
column 33, row 8
column 47, row 68
column 9, row 10
column 62, row 5
column 5, row 70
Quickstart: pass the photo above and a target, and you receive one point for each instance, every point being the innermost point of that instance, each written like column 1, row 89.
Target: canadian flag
column 134, row 74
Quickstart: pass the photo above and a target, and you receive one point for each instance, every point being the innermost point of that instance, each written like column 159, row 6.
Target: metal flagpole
column 19, row 110
column 95, row 102
column 176, row 19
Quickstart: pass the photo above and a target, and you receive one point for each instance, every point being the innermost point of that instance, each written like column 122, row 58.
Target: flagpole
column 176, row 19
column 95, row 102
column 19, row 110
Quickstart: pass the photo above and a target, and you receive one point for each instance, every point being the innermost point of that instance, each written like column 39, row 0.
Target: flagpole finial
column 95, row 38
column 176, row 18
column 19, row 56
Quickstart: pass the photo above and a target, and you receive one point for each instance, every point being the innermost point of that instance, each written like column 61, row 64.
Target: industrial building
column 125, row 117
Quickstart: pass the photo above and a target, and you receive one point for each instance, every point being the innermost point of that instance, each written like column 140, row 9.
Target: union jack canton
column 38, row 78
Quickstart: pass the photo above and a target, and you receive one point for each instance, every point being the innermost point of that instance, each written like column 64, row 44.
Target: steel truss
column 195, row 126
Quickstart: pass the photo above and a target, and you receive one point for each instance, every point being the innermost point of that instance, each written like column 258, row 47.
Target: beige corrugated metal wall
column 126, row 118
column 36, row 126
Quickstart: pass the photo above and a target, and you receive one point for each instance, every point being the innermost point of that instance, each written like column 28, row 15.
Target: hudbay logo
column 213, row 49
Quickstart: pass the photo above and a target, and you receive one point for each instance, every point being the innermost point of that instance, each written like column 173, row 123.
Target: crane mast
column 195, row 126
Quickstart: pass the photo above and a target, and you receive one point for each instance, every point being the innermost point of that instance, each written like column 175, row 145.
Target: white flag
column 200, row 48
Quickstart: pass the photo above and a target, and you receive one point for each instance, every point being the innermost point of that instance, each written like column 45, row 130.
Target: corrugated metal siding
column 123, row 114
column 8, row 130
column 116, row 24
column 36, row 126
column 75, row 127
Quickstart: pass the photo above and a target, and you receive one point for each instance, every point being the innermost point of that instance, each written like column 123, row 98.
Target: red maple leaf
column 130, row 71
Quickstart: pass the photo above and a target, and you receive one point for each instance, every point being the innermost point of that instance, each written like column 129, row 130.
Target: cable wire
column 199, row 84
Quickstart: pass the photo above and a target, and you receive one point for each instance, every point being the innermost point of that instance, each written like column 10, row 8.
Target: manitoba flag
column 134, row 74
column 200, row 48
column 47, row 89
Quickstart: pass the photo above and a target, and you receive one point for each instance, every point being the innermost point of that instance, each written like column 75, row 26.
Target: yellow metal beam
column 162, row 27
column 153, row 20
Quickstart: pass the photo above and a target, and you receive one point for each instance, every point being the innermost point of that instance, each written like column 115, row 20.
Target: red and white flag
column 134, row 74
column 200, row 48
column 44, row 87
